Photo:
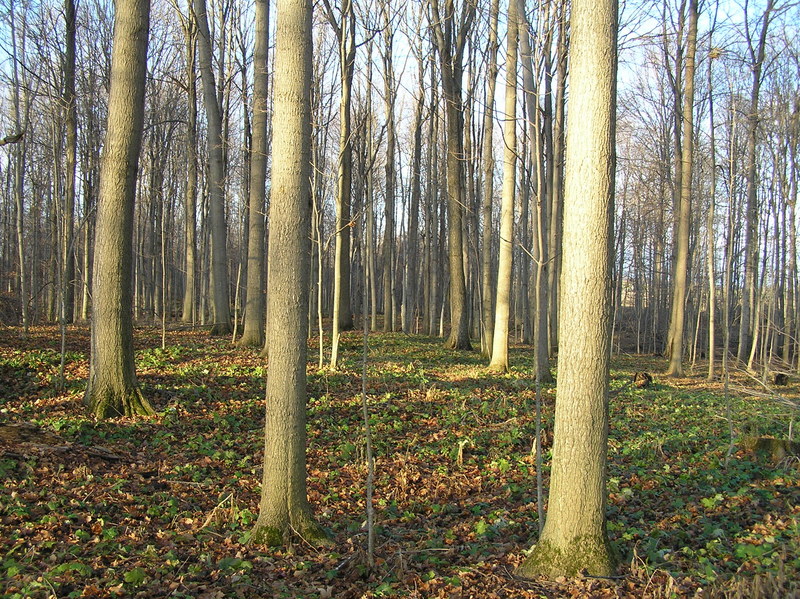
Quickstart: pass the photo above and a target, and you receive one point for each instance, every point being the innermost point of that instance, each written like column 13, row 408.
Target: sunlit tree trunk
column 499, row 361
column 487, row 287
column 450, row 32
column 284, row 502
column 253, row 333
column 680, row 281
column 216, row 176
column 574, row 536
column 756, row 57
column 112, row 389
column 342, row 313
column 190, row 202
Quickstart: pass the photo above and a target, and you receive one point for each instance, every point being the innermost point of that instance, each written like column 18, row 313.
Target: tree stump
column 642, row 380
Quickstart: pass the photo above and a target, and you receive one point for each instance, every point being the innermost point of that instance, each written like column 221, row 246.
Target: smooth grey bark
column 680, row 279
column 499, row 361
column 112, row 389
column 411, row 266
column 344, row 29
column 389, row 200
column 70, row 155
column 756, row 56
column 487, row 280
column 450, row 34
column 188, row 313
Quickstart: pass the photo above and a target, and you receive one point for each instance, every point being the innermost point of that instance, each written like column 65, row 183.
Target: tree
column 71, row 125
column 450, row 33
column 344, row 29
column 190, row 198
column 389, row 307
column 253, row 334
column 216, row 173
column 499, row 361
column 680, row 280
column 284, row 502
column 756, row 56
column 487, row 305
column 574, row 536
column 112, row 389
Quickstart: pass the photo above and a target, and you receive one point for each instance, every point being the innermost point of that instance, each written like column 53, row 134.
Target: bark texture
column 112, row 389
column 574, row 537
column 253, row 334
column 284, row 502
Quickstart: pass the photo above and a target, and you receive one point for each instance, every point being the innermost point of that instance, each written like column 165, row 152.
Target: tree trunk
column 284, row 502
column 450, row 33
column 112, row 389
column 680, row 281
column 391, row 142
column 253, row 333
column 216, row 175
column 487, row 287
column 190, row 227
column 574, row 537
column 751, row 217
column 71, row 152
column 342, row 313
column 499, row 361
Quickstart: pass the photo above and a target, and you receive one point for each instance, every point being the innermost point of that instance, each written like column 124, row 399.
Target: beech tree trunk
column 499, row 361
column 112, row 389
column 574, row 536
column 680, row 280
column 216, row 175
column 450, row 32
column 190, row 202
column 253, row 333
column 284, row 502
column 487, row 287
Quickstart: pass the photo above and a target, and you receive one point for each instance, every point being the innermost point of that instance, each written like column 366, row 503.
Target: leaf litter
column 162, row 507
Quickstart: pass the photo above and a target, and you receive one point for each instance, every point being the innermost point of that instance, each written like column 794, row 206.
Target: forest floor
column 163, row 506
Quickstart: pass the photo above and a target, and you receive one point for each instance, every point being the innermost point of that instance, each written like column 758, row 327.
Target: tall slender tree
column 487, row 288
column 344, row 29
column 574, row 536
column 450, row 31
column 112, row 389
column 284, row 501
column 499, row 361
column 756, row 56
column 680, row 280
column 216, row 174
column 190, row 199
column 253, row 334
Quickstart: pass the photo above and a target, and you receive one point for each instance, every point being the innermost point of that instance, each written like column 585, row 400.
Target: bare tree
column 574, row 536
column 284, row 501
column 450, row 34
column 253, row 334
column 112, row 389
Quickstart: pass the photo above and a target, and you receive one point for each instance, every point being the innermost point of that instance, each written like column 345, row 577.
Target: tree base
column 592, row 554
column 221, row 329
column 546, row 377
column 497, row 368
column 457, row 343
column 108, row 404
column 276, row 536
column 248, row 340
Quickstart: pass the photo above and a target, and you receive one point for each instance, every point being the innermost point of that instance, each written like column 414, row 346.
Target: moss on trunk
column 592, row 554
column 109, row 403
